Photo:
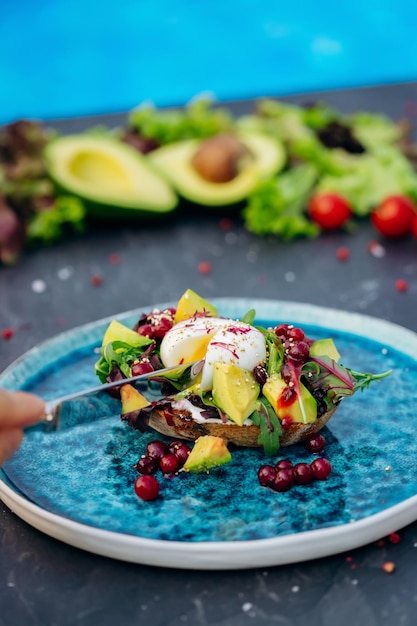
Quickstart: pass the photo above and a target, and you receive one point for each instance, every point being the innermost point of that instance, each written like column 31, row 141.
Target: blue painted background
column 60, row 58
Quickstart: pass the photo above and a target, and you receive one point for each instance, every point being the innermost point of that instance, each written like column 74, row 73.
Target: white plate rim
column 229, row 555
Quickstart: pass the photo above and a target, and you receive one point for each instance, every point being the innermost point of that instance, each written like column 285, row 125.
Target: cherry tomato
column 329, row 210
column 394, row 216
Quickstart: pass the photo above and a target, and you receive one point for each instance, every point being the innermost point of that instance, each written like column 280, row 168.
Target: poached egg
column 214, row 339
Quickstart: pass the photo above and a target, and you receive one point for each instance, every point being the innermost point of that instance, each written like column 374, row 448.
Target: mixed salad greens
column 362, row 158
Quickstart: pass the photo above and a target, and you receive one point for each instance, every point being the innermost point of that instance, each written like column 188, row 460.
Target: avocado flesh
column 325, row 347
column 208, row 452
column 174, row 161
column 235, row 391
column 191, row 303
column 111, row 177
column 303, row 410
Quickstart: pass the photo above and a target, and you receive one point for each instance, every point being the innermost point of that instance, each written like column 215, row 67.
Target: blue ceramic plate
column 77, row 484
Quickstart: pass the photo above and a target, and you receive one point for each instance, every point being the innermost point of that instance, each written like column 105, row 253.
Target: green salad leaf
column 277, row 206
column 198, row 120
column 66, row 214
column 270, row 426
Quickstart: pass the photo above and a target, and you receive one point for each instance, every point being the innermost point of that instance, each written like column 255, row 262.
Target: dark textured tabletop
column 45, row 582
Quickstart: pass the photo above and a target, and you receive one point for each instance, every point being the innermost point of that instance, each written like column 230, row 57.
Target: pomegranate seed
column 96, row 280
column 146, row 330
column 7, row 333
column 343, row 253
column 146, row 465
column 298, row 351
column 204, row 268
column 321, row 468
column 286, row 422
column 394, row 538
column 303, row 474
column 284, row 480
column 296, row 333
column 156, row 449
column 281, row 331
column 142, row 367
column 147, row 487
column 315, row 443
column 401, row 285
column 266, row 475
column 169, row 464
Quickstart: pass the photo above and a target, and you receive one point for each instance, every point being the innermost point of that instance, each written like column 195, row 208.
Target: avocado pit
column 219, row 159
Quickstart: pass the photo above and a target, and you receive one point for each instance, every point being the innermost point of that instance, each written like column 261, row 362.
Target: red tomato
column 329, row 210
column 394, row 216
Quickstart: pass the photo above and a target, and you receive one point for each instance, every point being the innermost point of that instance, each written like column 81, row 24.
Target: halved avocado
column 175, row 162
column 111, row 177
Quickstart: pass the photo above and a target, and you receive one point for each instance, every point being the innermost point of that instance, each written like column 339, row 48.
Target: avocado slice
column 175, row 162
column 191, row 303
column 113, row 179
column 235, row 391
column 325, row 347
column 208, row 452
column 302, row 410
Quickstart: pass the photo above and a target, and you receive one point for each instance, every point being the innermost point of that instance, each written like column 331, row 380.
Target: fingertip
column 10, row 441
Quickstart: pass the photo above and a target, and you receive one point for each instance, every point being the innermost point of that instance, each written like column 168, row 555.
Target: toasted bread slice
column 181, row 425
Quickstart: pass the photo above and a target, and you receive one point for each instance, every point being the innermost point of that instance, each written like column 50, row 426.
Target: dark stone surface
column 49, row 583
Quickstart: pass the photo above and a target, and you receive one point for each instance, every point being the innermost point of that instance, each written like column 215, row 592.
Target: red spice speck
column 114, row 258
column 343, row 253
column 388, row 567
column 349, row 559
column 394, row 538
column 96, row 280
column 60, row 321
column 226, row 223
column 262, row 279
column 204, row 267
column 381, row 543
column 376, row 249
column 401, row 285
column 7, row 333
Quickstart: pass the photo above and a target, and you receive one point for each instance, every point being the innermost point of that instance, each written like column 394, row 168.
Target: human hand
column 18, row 409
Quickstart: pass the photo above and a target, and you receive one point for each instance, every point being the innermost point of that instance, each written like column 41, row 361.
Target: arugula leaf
column 264, row 416
column 118, row 353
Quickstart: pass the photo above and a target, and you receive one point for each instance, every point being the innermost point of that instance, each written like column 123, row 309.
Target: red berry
column 146, row 465
column 156, row 449
column 147, row 487
column 284, row 480
column 315, row 443
column 169, row 464
column 321, row 468
column 303, row 474
column 266, row 475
